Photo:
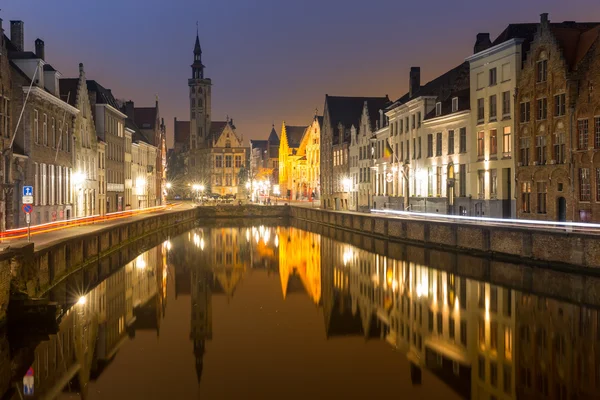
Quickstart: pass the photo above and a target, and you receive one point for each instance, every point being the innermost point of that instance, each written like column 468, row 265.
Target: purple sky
column 269, row 60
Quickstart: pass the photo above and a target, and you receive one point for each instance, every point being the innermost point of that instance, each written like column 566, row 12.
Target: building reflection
column 482, row 340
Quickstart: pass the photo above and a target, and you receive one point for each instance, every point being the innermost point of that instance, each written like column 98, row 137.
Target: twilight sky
column 269, row 60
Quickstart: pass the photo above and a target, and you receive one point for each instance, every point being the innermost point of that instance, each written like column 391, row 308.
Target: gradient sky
column 269, row 60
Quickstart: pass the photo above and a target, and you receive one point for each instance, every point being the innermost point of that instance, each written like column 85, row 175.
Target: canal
column 281, row 312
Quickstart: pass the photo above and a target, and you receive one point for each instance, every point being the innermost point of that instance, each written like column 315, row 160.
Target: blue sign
column 27, row 208
column 28, row 382
column 27, row 190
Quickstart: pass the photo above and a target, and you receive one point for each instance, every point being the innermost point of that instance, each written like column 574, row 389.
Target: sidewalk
column 44, row 238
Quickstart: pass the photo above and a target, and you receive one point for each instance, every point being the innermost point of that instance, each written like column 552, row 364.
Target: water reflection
column 481, row 340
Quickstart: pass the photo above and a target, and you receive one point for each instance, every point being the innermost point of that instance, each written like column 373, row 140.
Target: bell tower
column 200, row 93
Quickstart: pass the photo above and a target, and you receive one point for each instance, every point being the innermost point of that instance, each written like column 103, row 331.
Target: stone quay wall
column 570, row 251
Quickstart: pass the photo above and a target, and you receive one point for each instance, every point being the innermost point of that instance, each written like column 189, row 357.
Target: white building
column 143, row 156
column 447, row 130
column 127, row 169
column 494, row 69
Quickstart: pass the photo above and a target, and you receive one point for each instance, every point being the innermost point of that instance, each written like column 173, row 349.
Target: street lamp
column 78, row 179
column 169, row 185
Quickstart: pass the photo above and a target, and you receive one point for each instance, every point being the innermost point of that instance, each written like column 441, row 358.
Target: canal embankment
column 568, row 251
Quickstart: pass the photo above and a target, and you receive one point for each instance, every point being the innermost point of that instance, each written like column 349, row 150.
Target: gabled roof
column 348, row 110
column 273, row 137
column 463, row 95
column 145, row 117
column 574, row 39
column 454, row 80
column 68, row 90
column 103, row 95
column 182, row 132
column 216, row 127
column 259, row 144
column 294, row 135
column 518, row 31
column 138, row 135
column 320, row 120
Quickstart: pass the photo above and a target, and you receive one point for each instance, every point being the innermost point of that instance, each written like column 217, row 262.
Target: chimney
column 482, row 42
column 17, row 34
column 39, row 48
column 129, row 109
column 381, row 118
column 80, row 69
column 414, row 83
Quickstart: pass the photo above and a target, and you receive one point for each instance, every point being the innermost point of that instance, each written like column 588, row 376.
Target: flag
column 387, row 152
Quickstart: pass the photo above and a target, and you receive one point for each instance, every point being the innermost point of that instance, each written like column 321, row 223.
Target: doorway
column 562, row 209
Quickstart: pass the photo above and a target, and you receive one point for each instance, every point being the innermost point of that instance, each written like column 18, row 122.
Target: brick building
column 555, row 113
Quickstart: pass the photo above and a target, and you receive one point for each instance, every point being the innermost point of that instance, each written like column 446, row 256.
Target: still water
column 279, row 312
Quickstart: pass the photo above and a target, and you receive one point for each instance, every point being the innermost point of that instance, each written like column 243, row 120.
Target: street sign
column 27, row 208
column 27, row 191
column 27, row 199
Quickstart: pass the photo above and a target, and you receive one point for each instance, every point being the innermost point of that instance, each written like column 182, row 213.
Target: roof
column 103, row 95
column 348, row 110
column 145, row 117
column 48, row 67
column 518, row 31
column 21, row 55
column 273, row 137
column 574, row 39
column 456, row 79
column 320, row 120
column 294, row 135
column 138, row 135
column 259, row 144
column 68, row 90
column 464, row 98
column 182, row 131
column 216, row 127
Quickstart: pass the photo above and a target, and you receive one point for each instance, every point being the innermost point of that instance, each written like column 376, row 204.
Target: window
column 407, row 150
column 430, row 321
column 438, row 109
column 219, row 161
column 413, row 121
column 430, row 181
column 454, row 104
column 507, row 376
column 493, row 183
column 526, row 197
column 559, row 148
column 508, row 342
column 419, row 119
column 419, row 147
column 451, row 328
column 493, row 373
column 406, row 124
column 438, row 144
column 481, row 183
column 430, row 145
column 228, row 181
column 584, row 184
column 480, row 80
column 462, row 177
column 480, row 144
column 493, row 107
column 53, row 138
column 36, row 126
column 401, row 126
column 524, row 158
column 525, row 113
column 542, row 192
column 505, row 104
column 228, row 162
column 493, row 76
column 228, row 144
column 463, row 333
column 582, row 131
column 450, row 142
column 438, row 181
column 542, row 71
column 542, row 108
column 559, row 105
column 597, row 133
column 597, row 184
column 481, row 368
column 45, row 130
column 480, row 111
column 462, row 141
column 540, row 142
column 392, row 129
column 506, row 142
column 493, row 142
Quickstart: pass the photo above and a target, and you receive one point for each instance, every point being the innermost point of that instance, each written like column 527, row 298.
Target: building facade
column 291, row 179
column 7, row 204
column 110, row 128
column 101, row 177
column 311, row 146
column 85, row 146
column 558, row 135
column 42, row 149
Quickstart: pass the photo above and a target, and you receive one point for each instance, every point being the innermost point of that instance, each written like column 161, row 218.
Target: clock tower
column 200, row 92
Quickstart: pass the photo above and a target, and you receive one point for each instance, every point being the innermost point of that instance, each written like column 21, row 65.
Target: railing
column 20, row 233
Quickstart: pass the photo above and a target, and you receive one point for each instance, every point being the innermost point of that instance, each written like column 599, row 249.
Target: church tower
column 200, row 92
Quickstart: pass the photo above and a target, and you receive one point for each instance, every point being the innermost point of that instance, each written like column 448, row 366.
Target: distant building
column 291, row 137
column 181, row 134
column 264, row 158
column 340, row 114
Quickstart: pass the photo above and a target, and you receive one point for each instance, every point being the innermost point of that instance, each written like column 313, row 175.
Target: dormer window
column 438, row 109
column 454, row 104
